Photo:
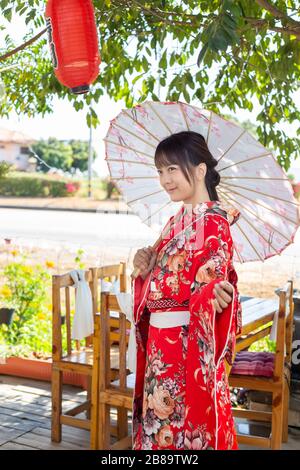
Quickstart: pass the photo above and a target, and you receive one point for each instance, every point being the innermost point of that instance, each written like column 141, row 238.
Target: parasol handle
column 135, row 273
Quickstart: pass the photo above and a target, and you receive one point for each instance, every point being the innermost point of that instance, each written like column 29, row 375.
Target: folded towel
column 83, row 322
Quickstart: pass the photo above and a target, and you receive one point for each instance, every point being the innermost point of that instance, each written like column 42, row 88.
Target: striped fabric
column 253, row 363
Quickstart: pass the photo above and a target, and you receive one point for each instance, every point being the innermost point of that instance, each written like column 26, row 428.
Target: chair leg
column 285, row 430
column 56, row 405
column 103, row 426
column 94, row 423
column 277, row 420
column 89, row 396
column 122, row 424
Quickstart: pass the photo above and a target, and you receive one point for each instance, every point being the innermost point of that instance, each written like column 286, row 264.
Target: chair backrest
column 109, row 303
column 285, row 318
column 62, row 302
column 112, row 272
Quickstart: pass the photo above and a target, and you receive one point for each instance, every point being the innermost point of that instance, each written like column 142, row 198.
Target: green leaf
column 202, row 54
column 163, row 61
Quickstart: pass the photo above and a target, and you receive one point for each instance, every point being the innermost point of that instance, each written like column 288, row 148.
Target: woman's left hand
column 223, row 295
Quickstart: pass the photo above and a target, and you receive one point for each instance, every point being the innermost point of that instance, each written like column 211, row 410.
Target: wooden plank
column 78, row 437
column 44, row 443
column 244, row 343
column 65, row 280
column 34, row 410
column 73, row 367
column 9, row 434
column 250, row 306
column 14, row 446
column 16, row 422
column 78, row 409
column 39, row 420
column 77, row 422
column 115, row 398
column 255, row 313
column 265, row 416
column 257, row 324
column 125, row 443
column 248, row 303
column 254, row 441
column 253, row 383
column 69, row 391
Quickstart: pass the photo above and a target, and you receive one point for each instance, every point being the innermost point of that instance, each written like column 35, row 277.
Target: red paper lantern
column 73, row 42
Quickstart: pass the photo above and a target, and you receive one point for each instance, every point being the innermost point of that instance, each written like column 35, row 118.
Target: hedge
column 36, row 186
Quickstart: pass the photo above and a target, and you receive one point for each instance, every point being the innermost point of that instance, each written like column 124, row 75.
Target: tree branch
column 260, row 23
column 23, row 46
column 277, row 13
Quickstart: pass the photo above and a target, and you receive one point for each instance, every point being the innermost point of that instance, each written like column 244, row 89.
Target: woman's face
column 175, row 183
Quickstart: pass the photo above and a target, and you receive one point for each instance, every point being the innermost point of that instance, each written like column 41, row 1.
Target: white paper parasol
column 251, row 179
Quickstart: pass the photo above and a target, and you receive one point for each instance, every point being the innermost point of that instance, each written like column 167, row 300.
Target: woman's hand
column 145, row 260
column 223, row 295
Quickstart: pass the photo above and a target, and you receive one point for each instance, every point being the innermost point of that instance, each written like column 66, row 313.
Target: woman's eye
column 172, row 168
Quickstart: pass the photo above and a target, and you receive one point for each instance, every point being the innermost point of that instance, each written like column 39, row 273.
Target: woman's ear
column 201, row 171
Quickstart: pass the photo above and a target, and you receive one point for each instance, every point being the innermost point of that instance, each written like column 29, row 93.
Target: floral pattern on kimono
column 182, row 398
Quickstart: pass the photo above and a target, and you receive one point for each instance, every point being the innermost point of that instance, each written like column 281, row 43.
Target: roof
column 8, row 136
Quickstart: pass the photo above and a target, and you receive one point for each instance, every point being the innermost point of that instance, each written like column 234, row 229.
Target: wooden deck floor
column 25, row 418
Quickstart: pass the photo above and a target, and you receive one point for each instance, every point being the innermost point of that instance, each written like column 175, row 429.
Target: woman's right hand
column 145, row 260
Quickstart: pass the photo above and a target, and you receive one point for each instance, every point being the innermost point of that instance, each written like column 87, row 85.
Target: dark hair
column 187, row 149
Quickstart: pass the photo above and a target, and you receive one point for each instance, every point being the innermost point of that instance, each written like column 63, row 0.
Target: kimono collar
column 185, row 217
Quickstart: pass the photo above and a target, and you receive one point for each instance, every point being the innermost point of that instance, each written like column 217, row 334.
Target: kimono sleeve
column 212, row 264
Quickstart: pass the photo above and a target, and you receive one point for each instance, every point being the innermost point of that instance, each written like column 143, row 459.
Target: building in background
column 15, row 149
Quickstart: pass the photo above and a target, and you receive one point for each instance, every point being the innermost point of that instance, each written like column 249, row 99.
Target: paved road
column 121, row 232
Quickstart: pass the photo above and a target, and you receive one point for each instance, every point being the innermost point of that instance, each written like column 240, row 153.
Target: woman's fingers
column 227, row 287
column 222, row 293
column 226, row 295
column 145, row 259
column 152, row 261
column 217, row 306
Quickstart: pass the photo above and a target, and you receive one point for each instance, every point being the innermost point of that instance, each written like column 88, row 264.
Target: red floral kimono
column 182, row 398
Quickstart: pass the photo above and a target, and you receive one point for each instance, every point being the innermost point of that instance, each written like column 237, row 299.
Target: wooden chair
column 113, row 273
column 77, row 358
column 117, row 394
column 277, row 384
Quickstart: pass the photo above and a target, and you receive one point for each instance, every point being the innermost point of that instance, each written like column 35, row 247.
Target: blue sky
column 55, row 124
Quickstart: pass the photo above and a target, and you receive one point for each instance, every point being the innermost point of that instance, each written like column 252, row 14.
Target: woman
column 186, row 310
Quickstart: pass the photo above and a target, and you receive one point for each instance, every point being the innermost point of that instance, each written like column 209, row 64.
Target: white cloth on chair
column 125, row 302
column 83, row 322
column 113, row 287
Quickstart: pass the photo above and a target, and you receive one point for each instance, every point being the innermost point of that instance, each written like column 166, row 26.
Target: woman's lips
column 171, row 190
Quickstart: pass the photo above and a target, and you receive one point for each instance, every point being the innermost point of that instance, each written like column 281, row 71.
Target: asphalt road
column 78, row 228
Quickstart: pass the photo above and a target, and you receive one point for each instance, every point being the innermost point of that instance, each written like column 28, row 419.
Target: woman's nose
column 165, row 179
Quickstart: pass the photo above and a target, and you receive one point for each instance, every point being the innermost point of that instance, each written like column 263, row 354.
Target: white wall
column 11, row 153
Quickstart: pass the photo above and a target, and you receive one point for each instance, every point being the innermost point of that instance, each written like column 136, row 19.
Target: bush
column 25, row 290
column 4, row 168
column 111, row 189
column 19, row 185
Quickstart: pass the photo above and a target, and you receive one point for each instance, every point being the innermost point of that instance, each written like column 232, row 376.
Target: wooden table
column 256, row 313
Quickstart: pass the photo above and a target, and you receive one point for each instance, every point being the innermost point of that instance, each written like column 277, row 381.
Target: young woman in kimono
column 186, row 310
